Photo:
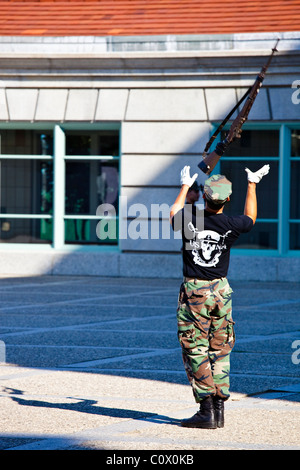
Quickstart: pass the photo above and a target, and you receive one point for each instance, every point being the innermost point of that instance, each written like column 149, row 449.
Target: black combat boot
column 219, row 411
column 204, row 418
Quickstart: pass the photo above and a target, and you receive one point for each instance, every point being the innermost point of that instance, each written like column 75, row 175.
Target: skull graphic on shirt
column 207, row 246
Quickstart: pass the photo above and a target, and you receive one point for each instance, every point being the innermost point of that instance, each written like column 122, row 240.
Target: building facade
column 95, row 130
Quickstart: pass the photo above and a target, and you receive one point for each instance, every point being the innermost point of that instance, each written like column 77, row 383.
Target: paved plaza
column 94, row 363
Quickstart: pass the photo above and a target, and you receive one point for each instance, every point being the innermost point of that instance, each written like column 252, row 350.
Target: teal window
column 277, row 229
column 52, row 182
column 26, row 177
column 91, row 179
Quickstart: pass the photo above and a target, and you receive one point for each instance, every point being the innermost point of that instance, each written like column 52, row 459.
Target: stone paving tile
column 94, row 364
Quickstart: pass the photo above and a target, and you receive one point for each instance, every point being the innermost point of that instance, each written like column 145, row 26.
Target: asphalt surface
column 91, row 363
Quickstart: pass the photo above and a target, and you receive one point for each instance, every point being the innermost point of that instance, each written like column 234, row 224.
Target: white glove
column 185, row 177
column 257, row 176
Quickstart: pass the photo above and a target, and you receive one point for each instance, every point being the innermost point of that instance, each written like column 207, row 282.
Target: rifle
column 209, row 161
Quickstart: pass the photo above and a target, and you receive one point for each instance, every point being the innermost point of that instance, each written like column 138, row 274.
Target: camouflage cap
column 217, row 188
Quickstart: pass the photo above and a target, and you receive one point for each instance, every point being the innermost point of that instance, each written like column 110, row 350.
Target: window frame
column 59, row 159
column 290, row 220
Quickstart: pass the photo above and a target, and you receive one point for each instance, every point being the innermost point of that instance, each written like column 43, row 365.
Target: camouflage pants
column 206, row 335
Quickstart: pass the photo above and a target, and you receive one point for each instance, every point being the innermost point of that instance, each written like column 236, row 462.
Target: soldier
column 204, row 315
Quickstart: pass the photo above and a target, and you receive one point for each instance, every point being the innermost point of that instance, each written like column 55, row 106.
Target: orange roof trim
column 150, row 17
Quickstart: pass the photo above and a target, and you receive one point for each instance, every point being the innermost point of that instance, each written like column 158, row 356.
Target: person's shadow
column 88, row 406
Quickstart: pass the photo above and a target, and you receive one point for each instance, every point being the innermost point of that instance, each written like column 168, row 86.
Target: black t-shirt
column 207, row 239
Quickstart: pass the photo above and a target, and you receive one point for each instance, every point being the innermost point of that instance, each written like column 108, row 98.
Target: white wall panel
column 166, row 105
column 219, row 102
column 164, row 137
column 81, row 105
column 282, row 105
column 51, row 105
column 111, row 105
column 21, row 103
column 155, row 170
column 150, row 196
column 3, row 107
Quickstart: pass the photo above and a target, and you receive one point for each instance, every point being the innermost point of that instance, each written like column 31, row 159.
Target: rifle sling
column 226, row 119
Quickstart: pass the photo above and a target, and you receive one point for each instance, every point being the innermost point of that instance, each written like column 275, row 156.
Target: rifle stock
column 209, row 161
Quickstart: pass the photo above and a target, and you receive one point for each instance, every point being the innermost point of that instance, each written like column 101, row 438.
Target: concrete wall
column 132, row 265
